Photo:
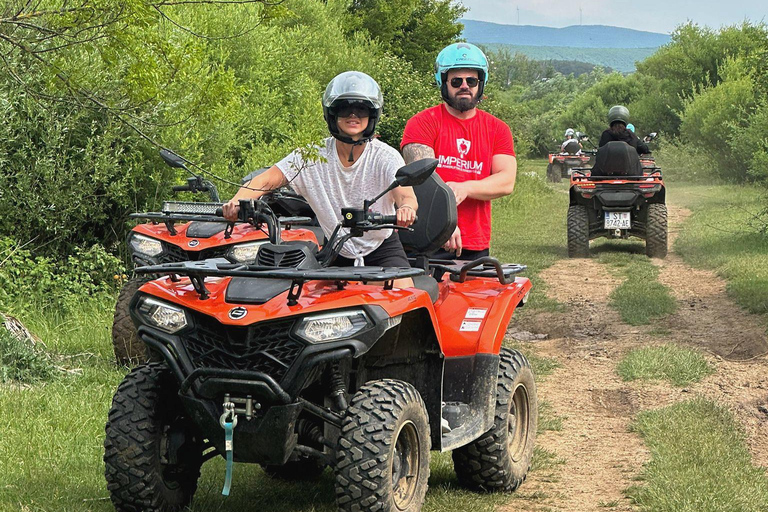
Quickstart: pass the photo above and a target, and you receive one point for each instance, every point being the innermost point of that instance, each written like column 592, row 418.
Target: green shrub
column 22, row 362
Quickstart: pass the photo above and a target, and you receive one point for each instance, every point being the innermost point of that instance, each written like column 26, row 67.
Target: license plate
column 617, row 220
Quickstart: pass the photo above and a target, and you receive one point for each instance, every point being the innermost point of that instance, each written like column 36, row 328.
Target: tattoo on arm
column 413, row 152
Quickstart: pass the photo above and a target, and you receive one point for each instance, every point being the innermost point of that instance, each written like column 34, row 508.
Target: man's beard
column 463, row 103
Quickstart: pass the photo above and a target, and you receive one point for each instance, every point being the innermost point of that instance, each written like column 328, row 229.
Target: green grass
column 699, row 462
column 640, row 299
column 529, row 228
column 723, row 235
column 22, row 362
column 678, row 365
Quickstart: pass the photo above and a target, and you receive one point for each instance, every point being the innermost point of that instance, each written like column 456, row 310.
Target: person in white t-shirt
column 352, row 166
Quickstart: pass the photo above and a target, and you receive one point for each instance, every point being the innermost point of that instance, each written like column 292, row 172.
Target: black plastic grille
column 290, row 259
column 265, row 347
column 174, row 253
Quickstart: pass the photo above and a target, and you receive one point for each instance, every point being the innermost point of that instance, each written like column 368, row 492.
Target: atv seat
column 617, row 158
column 437, row 221
column 572, row 147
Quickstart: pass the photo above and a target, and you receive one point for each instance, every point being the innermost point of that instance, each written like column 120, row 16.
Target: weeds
column 22, row 362
column 678, row 365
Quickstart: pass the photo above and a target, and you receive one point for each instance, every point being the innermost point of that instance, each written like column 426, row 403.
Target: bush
column 22, row 362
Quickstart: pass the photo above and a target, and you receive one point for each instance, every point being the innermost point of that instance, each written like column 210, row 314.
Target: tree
column 415, row 30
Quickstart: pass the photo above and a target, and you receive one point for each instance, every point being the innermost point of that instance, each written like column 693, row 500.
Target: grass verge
column 699, row 462
column 723, row 234
column 672, row 363
column 641, row 298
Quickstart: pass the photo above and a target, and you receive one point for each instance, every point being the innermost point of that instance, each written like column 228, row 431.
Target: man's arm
column 414, row 151
column 500, row 183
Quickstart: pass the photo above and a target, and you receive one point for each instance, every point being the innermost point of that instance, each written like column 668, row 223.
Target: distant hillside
column 620, row 59
column 578, row 36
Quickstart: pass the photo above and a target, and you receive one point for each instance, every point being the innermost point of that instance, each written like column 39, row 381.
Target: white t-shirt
column 328, row 187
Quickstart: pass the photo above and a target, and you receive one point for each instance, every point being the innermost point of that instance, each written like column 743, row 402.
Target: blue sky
column 650, row 15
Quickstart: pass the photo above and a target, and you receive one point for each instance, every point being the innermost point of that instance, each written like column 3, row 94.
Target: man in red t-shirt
column 474, row 148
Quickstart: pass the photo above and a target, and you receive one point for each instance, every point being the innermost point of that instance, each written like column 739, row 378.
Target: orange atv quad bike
column 618, row 198
column 185, row 231
column 561, row 165
column 298, row 365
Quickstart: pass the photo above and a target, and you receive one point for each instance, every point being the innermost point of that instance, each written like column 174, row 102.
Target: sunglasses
column 358, row 109
column 471, row 81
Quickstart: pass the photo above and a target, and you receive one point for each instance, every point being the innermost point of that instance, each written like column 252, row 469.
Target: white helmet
column 570, row 132
column 352, row 87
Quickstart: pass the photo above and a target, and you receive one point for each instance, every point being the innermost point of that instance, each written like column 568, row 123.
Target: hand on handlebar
column 231, row 209
column 406, row 215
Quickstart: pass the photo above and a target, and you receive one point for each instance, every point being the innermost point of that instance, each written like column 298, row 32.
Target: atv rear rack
column 481, row 267
column 197, row 271
column 581, row 175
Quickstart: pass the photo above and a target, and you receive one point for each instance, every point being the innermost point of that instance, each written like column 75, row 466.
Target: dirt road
column 601, row 456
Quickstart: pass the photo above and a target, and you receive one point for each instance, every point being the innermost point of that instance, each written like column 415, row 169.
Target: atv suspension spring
column 338, row 388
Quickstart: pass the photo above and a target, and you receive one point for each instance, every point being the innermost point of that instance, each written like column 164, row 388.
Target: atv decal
column 475, row 313
column 237, row 313
column 194, row 243
column 466, row 325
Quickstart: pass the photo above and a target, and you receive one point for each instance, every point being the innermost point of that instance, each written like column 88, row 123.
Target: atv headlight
column 334, row 326
column 245, row 253
column 146, row 245
column 164, row 316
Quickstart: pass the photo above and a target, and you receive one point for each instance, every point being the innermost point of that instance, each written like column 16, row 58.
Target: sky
column 649, row 15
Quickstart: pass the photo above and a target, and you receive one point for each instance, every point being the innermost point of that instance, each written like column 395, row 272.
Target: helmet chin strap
column 349, row 140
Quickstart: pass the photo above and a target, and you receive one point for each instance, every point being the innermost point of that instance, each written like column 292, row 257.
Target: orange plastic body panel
column 647, row 179
column 317, row 297
column 241, row 233
column 458, row 310
column 454, row 315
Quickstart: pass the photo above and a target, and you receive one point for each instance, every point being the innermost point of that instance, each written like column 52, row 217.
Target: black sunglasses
column 471, row 81
column 359, row 109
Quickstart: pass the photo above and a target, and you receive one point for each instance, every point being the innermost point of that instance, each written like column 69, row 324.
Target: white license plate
column 617, row 220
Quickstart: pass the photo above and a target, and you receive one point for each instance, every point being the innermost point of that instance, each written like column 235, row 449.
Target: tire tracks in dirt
column 602, row 457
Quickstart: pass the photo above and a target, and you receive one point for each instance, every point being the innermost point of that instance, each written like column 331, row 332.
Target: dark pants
column 466, row 255
column 389, row 254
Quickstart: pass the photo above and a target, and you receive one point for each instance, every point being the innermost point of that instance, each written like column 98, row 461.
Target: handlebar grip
column 219, row 212
column 180, row 188
column 388, row 219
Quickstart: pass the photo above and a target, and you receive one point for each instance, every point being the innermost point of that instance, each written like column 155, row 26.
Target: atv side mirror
column 652, row 135
column 172, row 159
column 415, row 173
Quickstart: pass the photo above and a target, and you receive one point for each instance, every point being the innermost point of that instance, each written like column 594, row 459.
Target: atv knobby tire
column 553, row 173
column 578, row 231
column 656, row 231
column 500, row 459
column 145, row 413
column 129, row 349
column 382, row 461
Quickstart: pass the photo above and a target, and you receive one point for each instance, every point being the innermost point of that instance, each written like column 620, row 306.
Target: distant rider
column 353, row 166
column 475, row 149
column 570, row 140
column 618, row 119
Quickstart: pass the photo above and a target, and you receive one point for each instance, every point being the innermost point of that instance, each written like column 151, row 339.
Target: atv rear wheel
column 656, row 231
column 553, row 173
column 145, row 421
column 383, row 453
column 501, row 458
column 578, row 232
column 129, row 349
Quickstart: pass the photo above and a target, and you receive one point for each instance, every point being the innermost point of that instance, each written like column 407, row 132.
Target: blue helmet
column 631, row 127
column 461, row 56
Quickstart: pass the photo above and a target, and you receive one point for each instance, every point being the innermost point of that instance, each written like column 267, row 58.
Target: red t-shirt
column 465, row 148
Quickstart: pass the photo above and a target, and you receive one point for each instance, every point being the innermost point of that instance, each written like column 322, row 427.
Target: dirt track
column 601, row 456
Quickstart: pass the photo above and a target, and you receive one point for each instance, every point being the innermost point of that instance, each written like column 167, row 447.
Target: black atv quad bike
column 618, row 198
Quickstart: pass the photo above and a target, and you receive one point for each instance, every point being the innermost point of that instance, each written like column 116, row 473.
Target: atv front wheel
column 152, row 452
column 578, row 232
column 383, row 453
column 129, row 349
column 500, row 459
column 553, row 173
column 656, row 231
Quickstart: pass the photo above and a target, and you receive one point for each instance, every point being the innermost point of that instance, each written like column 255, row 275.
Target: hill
column 619, row 59
column 578, row 36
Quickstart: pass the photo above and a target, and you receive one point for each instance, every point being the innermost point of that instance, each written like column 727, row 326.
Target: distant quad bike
column 618, row 198
column 562, row 164
column 298, row 365
column 199, row 235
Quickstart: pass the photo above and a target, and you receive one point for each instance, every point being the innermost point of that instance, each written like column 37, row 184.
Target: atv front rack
column 197, row 271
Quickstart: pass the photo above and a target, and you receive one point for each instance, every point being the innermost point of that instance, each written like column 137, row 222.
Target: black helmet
column 352, row 87
column 618, row 114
